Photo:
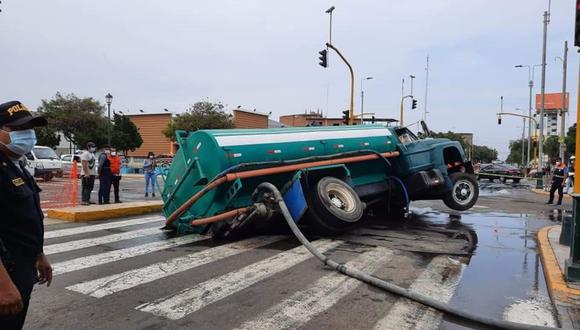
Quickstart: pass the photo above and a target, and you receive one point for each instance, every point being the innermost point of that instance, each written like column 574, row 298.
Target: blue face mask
column 21, row 142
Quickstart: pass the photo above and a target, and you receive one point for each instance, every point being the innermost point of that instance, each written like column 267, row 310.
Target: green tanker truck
column 329, row 176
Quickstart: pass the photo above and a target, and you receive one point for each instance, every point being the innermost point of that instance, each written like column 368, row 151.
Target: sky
column 263, row 55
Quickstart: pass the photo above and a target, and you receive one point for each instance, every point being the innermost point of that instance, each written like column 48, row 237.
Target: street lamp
column 523, row 134
column 362, row 98
column 109, row 100
column 531, row 69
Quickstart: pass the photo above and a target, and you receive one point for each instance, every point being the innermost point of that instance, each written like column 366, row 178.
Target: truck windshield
column 45, row 153
column 406, row 136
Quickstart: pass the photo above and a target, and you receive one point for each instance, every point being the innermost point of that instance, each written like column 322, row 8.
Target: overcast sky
column 264, row 54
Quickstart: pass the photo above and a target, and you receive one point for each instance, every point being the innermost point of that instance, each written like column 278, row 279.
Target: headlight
column 40, row 166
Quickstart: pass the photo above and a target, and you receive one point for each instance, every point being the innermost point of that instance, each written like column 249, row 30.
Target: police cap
column 15, row 114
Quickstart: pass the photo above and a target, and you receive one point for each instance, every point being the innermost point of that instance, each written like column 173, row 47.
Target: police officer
column 557, row 182
column 23, row 262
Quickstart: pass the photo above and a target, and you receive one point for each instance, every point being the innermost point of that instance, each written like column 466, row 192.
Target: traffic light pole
column 530, row 118
column 351, row 109
column 402, row 102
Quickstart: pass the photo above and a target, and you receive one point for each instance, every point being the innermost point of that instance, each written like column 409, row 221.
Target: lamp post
column 362, row 98
column 109, row 100
column 523, row 134
column 543, row 92
column 531, row 69
column 563, row 110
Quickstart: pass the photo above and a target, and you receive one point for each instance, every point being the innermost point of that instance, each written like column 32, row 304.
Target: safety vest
column 115, row 164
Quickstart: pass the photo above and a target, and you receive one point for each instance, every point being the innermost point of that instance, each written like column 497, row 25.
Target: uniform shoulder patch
column 17, row 182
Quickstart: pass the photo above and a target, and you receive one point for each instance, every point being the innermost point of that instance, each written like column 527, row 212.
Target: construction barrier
column 60, row 190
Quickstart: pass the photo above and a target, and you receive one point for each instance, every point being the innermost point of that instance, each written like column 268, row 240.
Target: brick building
column 249, row 119
column 150, row 126
column 304, row 119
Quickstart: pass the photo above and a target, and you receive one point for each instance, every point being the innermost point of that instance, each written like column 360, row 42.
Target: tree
column 47, row 136
column 483, row 154
column 571, row 140
column 515, row 155
column 552, row 147
column 201, row 115
column 80, row 120
column 125, row 135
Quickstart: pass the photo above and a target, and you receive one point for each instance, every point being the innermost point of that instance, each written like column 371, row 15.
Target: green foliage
column 125, row 135
column 201, row 115
column 483, row 154
column 552, row 147
column 79, row 119
column 47, row 136
column 515, row 156
column 571, row 140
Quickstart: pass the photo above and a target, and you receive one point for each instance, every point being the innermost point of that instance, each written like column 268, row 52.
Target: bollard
column 572, row 264
column 565, row 233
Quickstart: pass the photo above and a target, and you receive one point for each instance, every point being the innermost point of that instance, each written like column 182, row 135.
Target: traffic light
column 346, row 116
column 372, row 119
column 499, row 120
column 322, row 58
column 577, row 34
column 414, row 104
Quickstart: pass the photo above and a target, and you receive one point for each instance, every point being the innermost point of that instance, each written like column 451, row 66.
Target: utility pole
column 426, row 89
column 351, row 109
column 542, row 92
column 563, row 111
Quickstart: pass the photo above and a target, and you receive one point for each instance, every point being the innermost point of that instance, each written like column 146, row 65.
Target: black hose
column 377, row 282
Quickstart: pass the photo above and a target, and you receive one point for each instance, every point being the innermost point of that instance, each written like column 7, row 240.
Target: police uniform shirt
column 21, row 218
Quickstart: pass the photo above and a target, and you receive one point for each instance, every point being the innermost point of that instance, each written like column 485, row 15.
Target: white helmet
column 572, row 157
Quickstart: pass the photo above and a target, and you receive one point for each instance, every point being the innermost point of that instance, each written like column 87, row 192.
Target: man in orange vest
column 115, row 161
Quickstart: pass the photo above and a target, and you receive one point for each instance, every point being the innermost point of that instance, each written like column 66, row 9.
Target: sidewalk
column 106, row 211
column 565, row 298
column 547, row 193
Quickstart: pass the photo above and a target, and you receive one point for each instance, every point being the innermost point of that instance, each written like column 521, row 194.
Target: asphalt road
column 126, row 273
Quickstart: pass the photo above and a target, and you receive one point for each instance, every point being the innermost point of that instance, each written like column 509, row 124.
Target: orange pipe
column 267, row 171
column 221, row 216
column 185, row 206
column 290, row 168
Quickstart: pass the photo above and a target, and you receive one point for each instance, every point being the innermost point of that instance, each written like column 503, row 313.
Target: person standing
column 105, row 176
column 22, row 261
column 149, row 168
column 570, row 178
column 557, row 182
column 115, row 162
column 88, row 173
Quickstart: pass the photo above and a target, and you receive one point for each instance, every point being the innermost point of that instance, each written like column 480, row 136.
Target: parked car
column 67, row 163
column 501, row 172
column 45, row 162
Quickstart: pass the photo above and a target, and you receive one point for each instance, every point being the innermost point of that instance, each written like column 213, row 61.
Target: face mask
column 107, row 151
column 151, row 157
column 113, row 153
column 93, row 149
column 557, row 163
column 21, row 142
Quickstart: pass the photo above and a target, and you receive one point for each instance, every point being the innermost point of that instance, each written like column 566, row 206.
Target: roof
column 252, row 112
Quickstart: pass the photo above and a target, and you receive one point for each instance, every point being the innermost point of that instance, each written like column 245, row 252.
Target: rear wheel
column 334, row 206
column 464, row 193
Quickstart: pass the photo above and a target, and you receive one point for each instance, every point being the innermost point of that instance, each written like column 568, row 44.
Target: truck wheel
column 334, row 206
column 464, row 193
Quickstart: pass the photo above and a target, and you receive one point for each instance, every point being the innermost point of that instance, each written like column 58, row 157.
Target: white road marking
column 297, row 310
column 116, row 255
column 88, row 242
column 437, row 281
column 537, row 310
column 105, row 286
column 187, row 301
column 93, row 228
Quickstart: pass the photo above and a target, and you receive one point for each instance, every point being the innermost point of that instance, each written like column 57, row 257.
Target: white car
column 67, row 163
column 45, row 162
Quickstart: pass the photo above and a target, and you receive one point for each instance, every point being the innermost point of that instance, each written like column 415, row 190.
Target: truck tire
column 464, row 193
column 333, row 206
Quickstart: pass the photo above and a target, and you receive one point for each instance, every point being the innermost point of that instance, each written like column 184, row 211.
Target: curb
column 547, row 193
column 102, row 212
column 555, row 280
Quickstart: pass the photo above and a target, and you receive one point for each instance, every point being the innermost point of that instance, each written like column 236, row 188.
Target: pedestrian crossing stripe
column 190, row 300
column 294, row 312
column 102, row 226
column 108, row 285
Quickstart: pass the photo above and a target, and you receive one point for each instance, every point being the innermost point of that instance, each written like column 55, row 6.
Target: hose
column 276, row 197
column 405, row 192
